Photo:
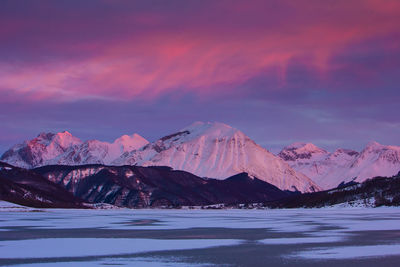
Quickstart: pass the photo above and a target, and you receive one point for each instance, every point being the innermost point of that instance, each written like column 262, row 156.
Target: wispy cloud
column 152, row 51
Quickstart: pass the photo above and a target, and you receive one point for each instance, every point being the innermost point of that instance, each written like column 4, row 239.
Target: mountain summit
column 299, row 151
column 40, row 150
column 217, row 150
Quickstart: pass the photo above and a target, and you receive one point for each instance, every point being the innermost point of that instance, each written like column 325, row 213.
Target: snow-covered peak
column 64, row 139
column 200, row 130
column 376, row 160
column 131, row 142
column 345, row 165
column 212, row 129
column 299, row 146
column 64, row 148
column 217, row 150
column 298, row 151
column 372, row 145
column 95, row 151
column 376, row 150
column 45, row 136
column 38, row 151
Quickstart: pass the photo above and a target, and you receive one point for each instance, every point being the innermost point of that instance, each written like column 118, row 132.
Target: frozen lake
column 298, row 237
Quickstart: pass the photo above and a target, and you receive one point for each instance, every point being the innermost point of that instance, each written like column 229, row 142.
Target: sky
column 326, row 72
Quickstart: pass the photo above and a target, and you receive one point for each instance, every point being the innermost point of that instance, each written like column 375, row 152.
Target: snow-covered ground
column 175, row 237
column 8, row 206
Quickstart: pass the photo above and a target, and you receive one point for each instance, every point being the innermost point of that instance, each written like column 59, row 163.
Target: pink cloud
column 205, row 56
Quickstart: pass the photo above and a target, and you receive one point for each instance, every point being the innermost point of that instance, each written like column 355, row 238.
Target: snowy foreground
column 298, row 237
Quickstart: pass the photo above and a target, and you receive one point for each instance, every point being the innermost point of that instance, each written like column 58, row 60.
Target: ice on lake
column 296, row 237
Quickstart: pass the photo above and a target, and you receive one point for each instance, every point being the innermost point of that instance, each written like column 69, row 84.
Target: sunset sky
column 326, row 72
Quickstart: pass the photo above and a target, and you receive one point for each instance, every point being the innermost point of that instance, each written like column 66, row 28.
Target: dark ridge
column 28, row 188
column 343, row 184
column 352, row 153
column 155, row 186
column 173, row 135
column 287, row 157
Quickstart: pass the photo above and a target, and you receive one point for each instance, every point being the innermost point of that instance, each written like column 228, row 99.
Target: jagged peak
column 49, row 135
column 213, row 130
column 373, row 144
column 46, row 135
column 128, row 138
column 65, row 133
column 306, row 147
column 64, row 139
column 301, row 151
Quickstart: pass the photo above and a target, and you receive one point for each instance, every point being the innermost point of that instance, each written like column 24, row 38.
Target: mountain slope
column 27, row 188
column 217, row 150
column 328, row 170
column 133, row 186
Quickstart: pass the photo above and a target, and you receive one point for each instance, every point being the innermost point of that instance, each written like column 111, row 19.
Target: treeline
column 379, row 191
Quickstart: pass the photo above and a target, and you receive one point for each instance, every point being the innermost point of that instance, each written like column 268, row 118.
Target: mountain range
column 214, row 150
column 330, row 169
column 63, row 148
column 101, row 186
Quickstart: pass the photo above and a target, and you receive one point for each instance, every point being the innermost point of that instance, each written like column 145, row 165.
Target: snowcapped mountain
column 40, row 150
column 376, row 160
column 63, row 148
column 217, row 150
column 98, row 152
column 302, row 152
column 328, row 170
